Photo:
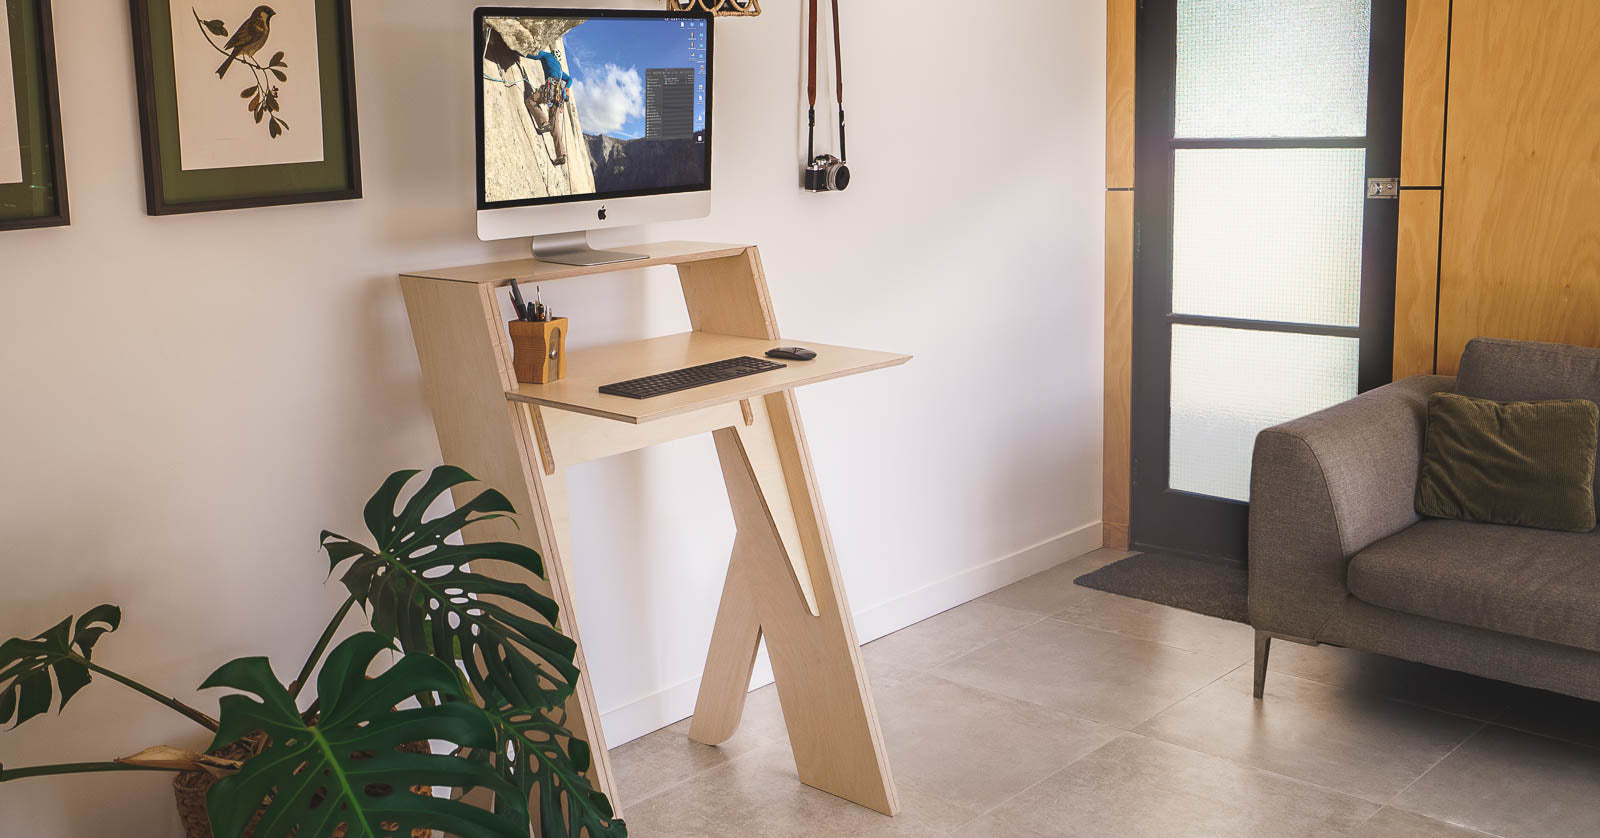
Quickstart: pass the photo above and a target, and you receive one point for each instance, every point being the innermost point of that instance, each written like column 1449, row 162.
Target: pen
column 517, row 302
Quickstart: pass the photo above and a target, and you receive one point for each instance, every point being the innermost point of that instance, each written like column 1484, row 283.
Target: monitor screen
column 589, row 105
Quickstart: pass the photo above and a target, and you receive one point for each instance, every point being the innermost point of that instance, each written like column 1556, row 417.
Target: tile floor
column 1046, row 709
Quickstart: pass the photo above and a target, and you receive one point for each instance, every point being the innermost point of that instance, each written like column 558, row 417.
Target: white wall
column 187, row 401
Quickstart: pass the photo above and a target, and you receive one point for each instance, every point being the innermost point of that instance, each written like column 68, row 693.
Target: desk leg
column 466, row 363
column 734, row 642
column 781, row 554
column 554, row 531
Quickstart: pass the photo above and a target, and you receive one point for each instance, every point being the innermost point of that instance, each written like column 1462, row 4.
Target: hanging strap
column 811, row 79
column 838, row 75
column 811, row 90
column 838, row 53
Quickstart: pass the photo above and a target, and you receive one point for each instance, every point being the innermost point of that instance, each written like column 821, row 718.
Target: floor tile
column 1136, row 786
column 1048, row 592
column 1511, row 783
column 1355, row 743
column 762, row 797
column 1414, row 683
column 944, row 637
column 1161, row 624
column 1099, row 675
column 651, row 763
column 1395, row 823
column 973, row 748
column 1055, row 593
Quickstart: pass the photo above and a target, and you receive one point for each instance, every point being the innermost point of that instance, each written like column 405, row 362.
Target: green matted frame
column 41, row 199
column 170, row 190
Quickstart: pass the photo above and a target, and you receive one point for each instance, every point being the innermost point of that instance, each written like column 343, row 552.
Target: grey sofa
column 1338, row 554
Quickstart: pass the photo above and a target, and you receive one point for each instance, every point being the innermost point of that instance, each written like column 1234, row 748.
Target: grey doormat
column 1214, row 587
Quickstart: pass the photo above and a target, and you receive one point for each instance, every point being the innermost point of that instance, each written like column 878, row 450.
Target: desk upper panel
column 532, row 270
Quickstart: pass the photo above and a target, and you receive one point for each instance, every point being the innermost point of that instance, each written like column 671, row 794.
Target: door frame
column 1180, row 521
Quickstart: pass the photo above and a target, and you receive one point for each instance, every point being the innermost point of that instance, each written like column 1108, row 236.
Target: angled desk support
column 783, row 580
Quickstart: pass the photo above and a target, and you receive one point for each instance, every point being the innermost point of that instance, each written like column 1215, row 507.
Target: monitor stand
column 574, row 249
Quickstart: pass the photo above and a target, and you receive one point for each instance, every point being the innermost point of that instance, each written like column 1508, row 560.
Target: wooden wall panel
column 1119, row 367
column 1120, row 17
column 1521, row 224
column 1422, row 123
column 1416, row 282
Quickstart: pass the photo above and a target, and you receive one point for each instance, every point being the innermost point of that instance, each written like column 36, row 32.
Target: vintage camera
column 826, row 174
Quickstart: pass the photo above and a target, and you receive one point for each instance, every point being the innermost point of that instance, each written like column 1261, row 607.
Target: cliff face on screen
column 520, row 162
column 646, row 164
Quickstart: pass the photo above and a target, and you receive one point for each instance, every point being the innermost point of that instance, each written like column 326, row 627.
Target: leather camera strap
column 838, row 54
column 811, row 78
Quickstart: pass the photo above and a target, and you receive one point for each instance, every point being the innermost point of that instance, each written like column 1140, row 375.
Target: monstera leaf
column 537, row 754
column 345, row 770
column 26, row 666
column 418, row 589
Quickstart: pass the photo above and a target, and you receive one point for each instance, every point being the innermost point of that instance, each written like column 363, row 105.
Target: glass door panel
column 1230, row 384
column 1271, row 68
column 1269, row 233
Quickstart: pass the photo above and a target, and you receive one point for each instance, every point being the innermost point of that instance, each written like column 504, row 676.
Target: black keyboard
column 687, row 379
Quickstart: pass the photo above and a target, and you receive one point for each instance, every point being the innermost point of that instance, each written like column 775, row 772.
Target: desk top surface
column 533, row 270
column 589, row 369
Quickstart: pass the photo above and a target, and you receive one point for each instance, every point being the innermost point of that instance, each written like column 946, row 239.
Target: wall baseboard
column 675, row 703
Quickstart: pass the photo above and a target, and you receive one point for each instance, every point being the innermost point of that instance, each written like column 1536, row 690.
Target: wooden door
column 1264, row 272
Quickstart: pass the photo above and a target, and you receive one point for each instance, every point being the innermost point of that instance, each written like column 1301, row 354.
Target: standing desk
column 783, row 579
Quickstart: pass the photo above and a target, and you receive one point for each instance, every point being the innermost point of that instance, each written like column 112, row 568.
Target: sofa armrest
column 1323, row 488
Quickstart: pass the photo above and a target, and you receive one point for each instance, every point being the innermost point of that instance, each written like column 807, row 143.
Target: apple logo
column 602, row 213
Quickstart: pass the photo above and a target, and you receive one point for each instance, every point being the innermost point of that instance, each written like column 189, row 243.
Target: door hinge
column 1383, row 187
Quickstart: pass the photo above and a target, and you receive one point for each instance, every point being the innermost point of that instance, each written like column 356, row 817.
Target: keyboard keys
column 687, row 379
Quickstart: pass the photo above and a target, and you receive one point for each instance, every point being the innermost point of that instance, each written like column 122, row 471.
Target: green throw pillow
column 1530, row 464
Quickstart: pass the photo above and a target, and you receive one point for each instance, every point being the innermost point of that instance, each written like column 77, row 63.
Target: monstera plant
column 467, row 666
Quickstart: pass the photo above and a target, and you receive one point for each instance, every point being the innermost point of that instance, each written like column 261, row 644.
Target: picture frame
column 234, row 149
column 33, row 169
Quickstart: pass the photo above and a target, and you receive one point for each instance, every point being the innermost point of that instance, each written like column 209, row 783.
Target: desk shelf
column 589, row 369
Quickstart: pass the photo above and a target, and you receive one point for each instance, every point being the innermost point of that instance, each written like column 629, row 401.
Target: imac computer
column 590, row 119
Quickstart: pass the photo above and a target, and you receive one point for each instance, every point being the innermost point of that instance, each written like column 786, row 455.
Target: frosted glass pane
column 1269, row 234
column 1230, row 384
column 1269, row 68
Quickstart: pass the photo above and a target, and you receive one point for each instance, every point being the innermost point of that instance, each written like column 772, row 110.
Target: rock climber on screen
column 552, row 95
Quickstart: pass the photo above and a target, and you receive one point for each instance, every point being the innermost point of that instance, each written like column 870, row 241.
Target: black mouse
column 792, row 353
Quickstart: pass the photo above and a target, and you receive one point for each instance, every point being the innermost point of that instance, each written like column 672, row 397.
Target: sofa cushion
column 1540, row 584
column 1530, row 464
column 1525, row 371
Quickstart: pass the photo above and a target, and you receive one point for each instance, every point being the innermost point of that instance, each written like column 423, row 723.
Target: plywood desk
column 783, row 580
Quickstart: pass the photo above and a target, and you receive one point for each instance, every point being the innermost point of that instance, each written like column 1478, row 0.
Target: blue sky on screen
column 608, row 57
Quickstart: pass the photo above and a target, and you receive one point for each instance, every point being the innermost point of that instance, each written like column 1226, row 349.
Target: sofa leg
column 1263, row 648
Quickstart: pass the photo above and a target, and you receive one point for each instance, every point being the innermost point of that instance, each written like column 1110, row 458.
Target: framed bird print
column 33, row 173
column 244, row 104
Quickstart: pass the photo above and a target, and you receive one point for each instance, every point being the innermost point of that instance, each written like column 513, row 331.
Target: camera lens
column 841, row 177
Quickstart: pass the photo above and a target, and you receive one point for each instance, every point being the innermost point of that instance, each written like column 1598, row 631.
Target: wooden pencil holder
column 539, row 350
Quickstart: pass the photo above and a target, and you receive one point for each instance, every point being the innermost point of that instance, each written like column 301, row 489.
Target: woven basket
column 725, row 8
column 190, row 788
